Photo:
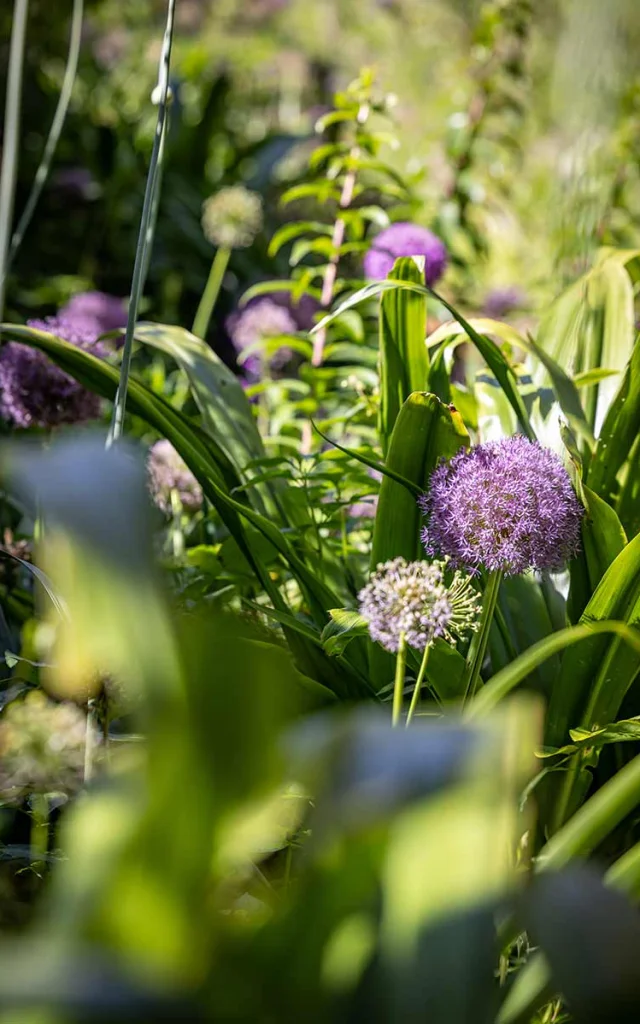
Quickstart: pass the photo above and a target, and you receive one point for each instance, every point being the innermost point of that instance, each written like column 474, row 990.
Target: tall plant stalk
column 145, row 235
column 479, row 640
column 53, row 138
column 398, row 685
column 11, row 135
column 211, row 291
column 331, row 269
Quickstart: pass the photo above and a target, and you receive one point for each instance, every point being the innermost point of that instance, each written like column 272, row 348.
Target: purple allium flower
column 500, row 301
column 405, row 239
column 257, row 322
column 505, row 505
column 107, row 312
column 413, row 599
column 36, row 393
column 168, row 473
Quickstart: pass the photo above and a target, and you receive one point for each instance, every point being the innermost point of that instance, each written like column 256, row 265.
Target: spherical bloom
column 405, row 239
column 168, row 473
column 257, row 322
column 412, row 599
column 36, row 393
column 232, row 217
column 42, row 747
column 106, row 312
column 505, row 505
column 500, row 301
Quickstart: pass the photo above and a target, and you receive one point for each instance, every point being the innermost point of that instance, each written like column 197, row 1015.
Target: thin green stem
column 420, row 679
column 145, row 232
column 11, row 136
column 89, row 743
column 480, row 639
column 55, row 131
column 398, row 685
column 211, row 292
column 39, row 838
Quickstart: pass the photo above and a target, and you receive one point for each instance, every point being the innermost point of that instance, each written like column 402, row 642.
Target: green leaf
column 494, row 358
column 290, row 231
column 506, row 680
column 619, row 430
column 345, row 625
column 404, row 359
column 425, row 432
column 594, row 665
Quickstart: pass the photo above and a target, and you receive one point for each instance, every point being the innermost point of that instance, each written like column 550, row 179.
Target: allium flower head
column 106, row 312
column 505, row 505
column 414, row 600
column 232, row 217
column 42, row 747
column 167, row 473
column 36, row 393
column 257, row 322
column 500, row 301
column 405, row 239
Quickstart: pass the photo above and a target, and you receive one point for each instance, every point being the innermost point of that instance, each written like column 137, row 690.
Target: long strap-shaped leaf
column 212, row 468
column 487, row 348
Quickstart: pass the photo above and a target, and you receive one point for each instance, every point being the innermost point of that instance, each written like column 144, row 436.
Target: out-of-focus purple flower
column 505, row 505
column 76, row 181
column 405, row 239
column 106, row 312
column 500, row 301
column 257, row 322
column 168, row 473
column 36, row 393
column 412, row 600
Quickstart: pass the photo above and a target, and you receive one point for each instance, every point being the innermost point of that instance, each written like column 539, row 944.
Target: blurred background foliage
column 517, row 129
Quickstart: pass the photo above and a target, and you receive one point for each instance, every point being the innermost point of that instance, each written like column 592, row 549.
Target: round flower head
column 168, row 473
column 232, row 217
column 505, row 505
column 106, row 312
column 405, row 239
column 501, row 301
column 257, row 322
column 42, row 747
column 36, row 393
column 413, row 599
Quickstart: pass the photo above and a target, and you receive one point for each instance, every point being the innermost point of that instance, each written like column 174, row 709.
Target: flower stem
column 479, row 640
column 39, row 839
column 418, row 686
column 11, row 139
column 89, row 744
column 211, row 292
column 398, row 686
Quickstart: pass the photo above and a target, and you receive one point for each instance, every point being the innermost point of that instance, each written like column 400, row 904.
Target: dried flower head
column 505, row 505
column 232, row 217
column 36, row 393
column 168, row 473
column 42, row 747
column 413, row 599
column 405, row 239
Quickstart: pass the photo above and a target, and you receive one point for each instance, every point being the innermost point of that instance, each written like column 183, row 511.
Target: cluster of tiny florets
column 504, row 506
column 256, row 323
column 34, row 392
column 412, row 600
column 232, row 217
column 96, row 311
column 168, row 475
column 42, row 747
column 405, row 239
